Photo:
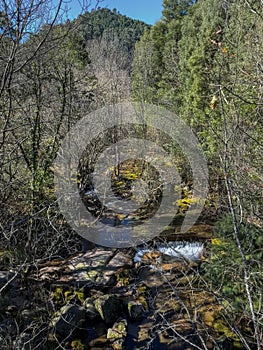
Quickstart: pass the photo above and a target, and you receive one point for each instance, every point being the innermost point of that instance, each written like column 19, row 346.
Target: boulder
column 117, row 334
column 91, row 312
column 109, row 307
column 135, row 310
column 89, row 268
column 120, row 260
column 118, row 331
column 67, row 319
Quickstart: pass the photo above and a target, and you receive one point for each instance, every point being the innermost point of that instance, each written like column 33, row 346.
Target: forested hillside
column 112, row 25
column 110, row 41
column 202, row 62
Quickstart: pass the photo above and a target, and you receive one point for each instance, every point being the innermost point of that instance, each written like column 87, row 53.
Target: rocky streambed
column 152, row 297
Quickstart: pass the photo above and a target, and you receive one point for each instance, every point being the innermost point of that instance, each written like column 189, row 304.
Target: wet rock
column 109, row 308
column 177, row 336
column 201, row 232
column 91, row 312
column 67, row 319
column 135, row 310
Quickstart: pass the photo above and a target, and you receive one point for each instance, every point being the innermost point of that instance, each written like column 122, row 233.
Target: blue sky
column 148, row 11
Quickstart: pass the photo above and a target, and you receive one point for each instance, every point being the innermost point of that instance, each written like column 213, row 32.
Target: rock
column 49, row 273
column 143, row 337
column 91, row 312
column 67, row 319
column 118, row 344
column 95, row 267
column 117, row 334
column 90, row 268
column 147, row 256
column 183, row 326
column 167, row 303
column 118, row 331
column 109, row 308
column 98, row 342
column 120, row 260
column 135, row 310
column 150, row 277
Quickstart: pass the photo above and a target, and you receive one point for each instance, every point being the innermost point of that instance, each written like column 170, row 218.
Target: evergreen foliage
column 206, row 65
column 203, row 60
column 111, row 24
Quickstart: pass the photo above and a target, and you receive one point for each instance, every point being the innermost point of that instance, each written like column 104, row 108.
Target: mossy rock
column 109, row 308
column 220, row 326
column 67, row 319
column 136, row 310
column 118, row 331
column 117, row 334
column 91, row 312
column 77, row 345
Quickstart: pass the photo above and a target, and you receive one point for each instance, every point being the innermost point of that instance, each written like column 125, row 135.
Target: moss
column 70, row 294
column 58, row 293
column 80, row 265
column 118, row 331
column 144, row 303
column 92, row 275
column 4, row 253
column 123, row 278
column 216, row 241
column 80, row 296
column 238, row 345
column 220, row 327
column 6, row 256
column 141, row 289
column 77, row 345
column 185, row 203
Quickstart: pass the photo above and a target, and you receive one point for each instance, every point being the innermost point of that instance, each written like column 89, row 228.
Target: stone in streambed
column 67, row 319
column 117, row 334
column 109, row 307
column 135, row 310
column 91, row 312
